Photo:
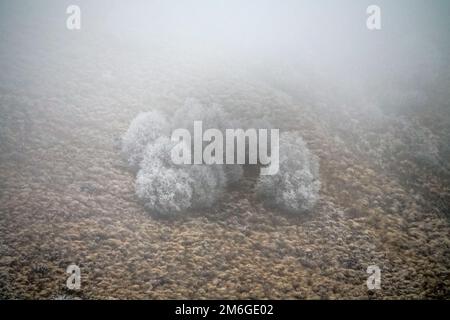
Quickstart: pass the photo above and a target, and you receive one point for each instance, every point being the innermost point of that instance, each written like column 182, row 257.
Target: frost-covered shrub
column 164, row 190
column 145, row 128
column 159, row 185
column 168, row 188
column 295, row 188
column 397, row 139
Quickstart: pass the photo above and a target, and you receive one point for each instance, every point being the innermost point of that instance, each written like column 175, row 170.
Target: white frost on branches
column 168, row 188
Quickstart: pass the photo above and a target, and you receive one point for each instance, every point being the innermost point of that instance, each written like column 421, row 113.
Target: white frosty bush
column 233, row 173
column 212, row 116
column 168, row 188
column 145, row 128
column 295, row 188
column 208, row 181
column 159, row 186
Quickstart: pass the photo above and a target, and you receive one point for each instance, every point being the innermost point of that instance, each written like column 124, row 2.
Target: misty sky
column 328, row 38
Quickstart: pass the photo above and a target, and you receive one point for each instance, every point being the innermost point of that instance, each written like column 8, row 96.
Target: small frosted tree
column 160, row 185
column 169, row 188
column 144, row 129
column 208, row 182
column 212, row 116
column 295, row 188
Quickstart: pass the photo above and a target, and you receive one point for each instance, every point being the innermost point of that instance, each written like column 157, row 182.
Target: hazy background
column 295, row 39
